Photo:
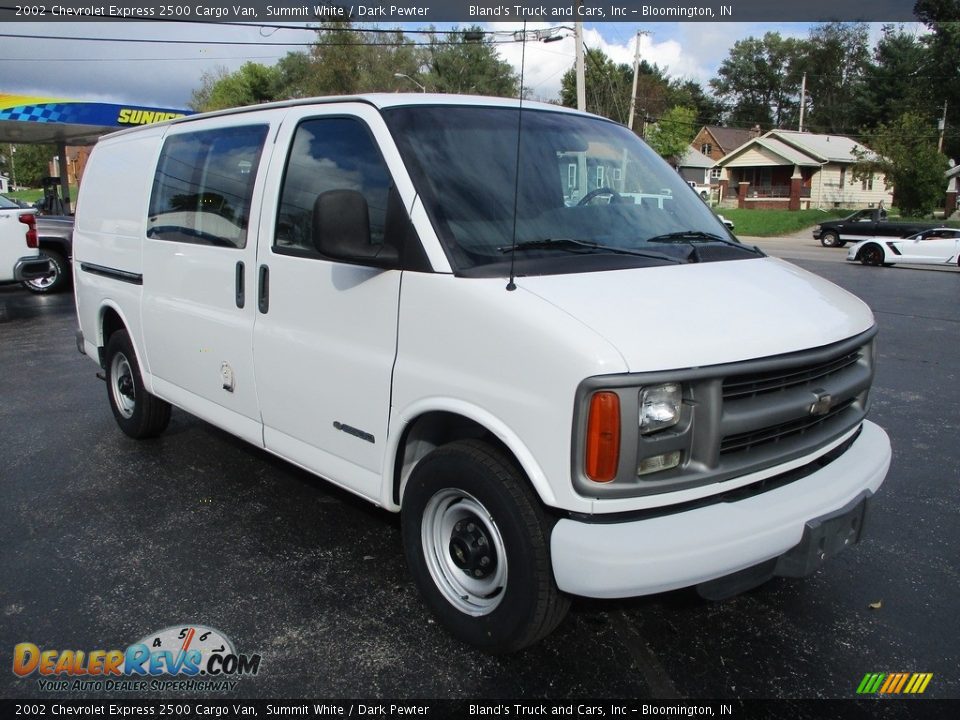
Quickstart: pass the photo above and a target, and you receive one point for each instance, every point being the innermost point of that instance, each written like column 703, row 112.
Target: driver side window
column 329, row 154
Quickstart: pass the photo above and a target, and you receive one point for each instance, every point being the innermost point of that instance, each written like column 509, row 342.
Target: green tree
column 759, row 81
column 253, row 83
column 456, row 65
column 31, row 163
column 942, row 64
column 607, row 86
column 835, row 58
column 672, row 134
column 690, row 93
column 905, row 151
column 891, row 84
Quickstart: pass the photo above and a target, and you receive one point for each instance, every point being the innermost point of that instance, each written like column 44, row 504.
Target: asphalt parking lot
column 106, row 540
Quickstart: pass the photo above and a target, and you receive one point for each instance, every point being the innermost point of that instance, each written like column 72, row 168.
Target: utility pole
column 13, row 168
column 581, row 89
column 636, row 77
column 803, row 100
column 943, row 126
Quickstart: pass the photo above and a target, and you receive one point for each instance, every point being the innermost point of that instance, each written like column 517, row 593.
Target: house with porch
column 790, row 170
column 715, row 141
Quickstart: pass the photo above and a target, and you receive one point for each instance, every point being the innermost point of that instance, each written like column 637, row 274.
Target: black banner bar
column 469, row 709
column 459, row 11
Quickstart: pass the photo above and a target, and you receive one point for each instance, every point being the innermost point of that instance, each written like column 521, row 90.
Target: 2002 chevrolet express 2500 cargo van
column 514, row 326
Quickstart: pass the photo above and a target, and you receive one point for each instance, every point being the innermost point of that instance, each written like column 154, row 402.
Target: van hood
column 683, row 316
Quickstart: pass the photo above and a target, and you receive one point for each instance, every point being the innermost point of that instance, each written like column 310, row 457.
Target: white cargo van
column 515, row 326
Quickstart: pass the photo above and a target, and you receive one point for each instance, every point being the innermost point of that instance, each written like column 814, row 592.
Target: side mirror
column 341, row 230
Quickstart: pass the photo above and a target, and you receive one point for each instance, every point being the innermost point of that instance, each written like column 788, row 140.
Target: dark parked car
column 56, row 243
column 863, row 224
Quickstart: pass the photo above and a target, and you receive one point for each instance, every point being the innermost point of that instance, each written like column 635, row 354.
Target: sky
column 163, row 74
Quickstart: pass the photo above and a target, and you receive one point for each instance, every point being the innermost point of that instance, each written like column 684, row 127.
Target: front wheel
column 138, row 413
column 871, row 255
column 478, row 546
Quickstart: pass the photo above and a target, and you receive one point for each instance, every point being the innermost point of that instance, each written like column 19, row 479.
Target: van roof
column 378, row 100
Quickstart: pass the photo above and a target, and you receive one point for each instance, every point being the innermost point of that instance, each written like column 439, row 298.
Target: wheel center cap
column 471, row 551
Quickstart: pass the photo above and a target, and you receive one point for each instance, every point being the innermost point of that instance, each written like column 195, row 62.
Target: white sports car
column 936, row 246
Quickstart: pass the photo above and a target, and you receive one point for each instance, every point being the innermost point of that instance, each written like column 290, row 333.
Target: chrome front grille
column 737, row 419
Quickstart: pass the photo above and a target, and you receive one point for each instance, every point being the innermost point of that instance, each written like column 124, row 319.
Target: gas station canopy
column 30, row 119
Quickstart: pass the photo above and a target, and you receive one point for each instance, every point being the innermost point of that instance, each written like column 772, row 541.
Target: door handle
column 263, row 289
column 241, row 295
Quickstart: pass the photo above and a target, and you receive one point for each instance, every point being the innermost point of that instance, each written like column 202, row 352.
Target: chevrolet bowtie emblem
column 822, row 404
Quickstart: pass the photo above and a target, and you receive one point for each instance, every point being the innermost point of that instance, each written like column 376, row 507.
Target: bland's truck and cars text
column 420, row 299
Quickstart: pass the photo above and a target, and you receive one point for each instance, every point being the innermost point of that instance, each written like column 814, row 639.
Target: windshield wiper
column 691, row 235
column 572, row 245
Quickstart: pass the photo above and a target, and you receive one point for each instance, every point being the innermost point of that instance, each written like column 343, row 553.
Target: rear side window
column 203, row 186
column 329, row 154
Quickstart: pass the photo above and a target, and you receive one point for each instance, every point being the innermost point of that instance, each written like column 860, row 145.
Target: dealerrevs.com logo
column 188, row 657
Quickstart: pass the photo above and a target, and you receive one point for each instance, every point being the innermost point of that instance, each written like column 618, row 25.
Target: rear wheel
column 58, row 279
column 871, row 255
column 478, row 546
column 138, row 413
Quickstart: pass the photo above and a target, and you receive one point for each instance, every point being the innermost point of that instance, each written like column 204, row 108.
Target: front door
column 326, row 331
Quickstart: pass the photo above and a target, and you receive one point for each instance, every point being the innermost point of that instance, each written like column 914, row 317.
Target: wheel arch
column 59, row 244
column 431, row 425
column 110, row 320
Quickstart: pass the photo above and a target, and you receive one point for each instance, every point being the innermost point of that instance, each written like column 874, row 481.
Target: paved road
column 106, row 540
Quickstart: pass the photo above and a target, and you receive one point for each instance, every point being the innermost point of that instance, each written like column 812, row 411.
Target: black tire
column 456, row 495
column 871, row 255
column 59, row 278
column 830, row 239
column 138, row 413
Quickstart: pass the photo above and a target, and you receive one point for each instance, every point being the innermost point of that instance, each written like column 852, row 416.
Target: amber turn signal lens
column 603, row 437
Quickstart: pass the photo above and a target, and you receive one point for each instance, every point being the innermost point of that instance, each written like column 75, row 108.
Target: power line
column 255, row 43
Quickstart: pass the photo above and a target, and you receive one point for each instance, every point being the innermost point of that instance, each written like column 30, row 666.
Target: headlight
column 817, row 228
column 659, row 407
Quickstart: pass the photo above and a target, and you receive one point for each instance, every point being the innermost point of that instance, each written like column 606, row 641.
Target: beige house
column 793, row 170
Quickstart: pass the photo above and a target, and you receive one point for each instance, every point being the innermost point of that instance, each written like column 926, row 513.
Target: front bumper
column 816, row 234
column 642, row 557
column 31, row 268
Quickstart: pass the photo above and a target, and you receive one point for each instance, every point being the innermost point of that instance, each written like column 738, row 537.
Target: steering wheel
column 614, row 195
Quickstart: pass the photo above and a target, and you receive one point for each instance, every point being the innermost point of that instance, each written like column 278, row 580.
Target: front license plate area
column 824, row 537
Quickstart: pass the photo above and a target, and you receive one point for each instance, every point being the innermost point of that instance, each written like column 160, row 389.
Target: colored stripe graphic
column 894, row 683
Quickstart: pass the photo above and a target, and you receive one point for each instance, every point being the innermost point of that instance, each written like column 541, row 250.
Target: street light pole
column 401, row 75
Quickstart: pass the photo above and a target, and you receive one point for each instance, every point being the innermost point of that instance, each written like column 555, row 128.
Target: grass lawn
column 770, row 223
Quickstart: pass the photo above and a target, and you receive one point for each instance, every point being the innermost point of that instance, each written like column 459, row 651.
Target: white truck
column 391, row 292
column 702, row 190
column 20, row 258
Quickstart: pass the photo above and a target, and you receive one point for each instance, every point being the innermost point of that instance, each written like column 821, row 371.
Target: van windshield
column 589, row 195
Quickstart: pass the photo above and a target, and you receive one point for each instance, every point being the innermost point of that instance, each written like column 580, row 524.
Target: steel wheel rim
column 122, row 387
column 475, row 596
